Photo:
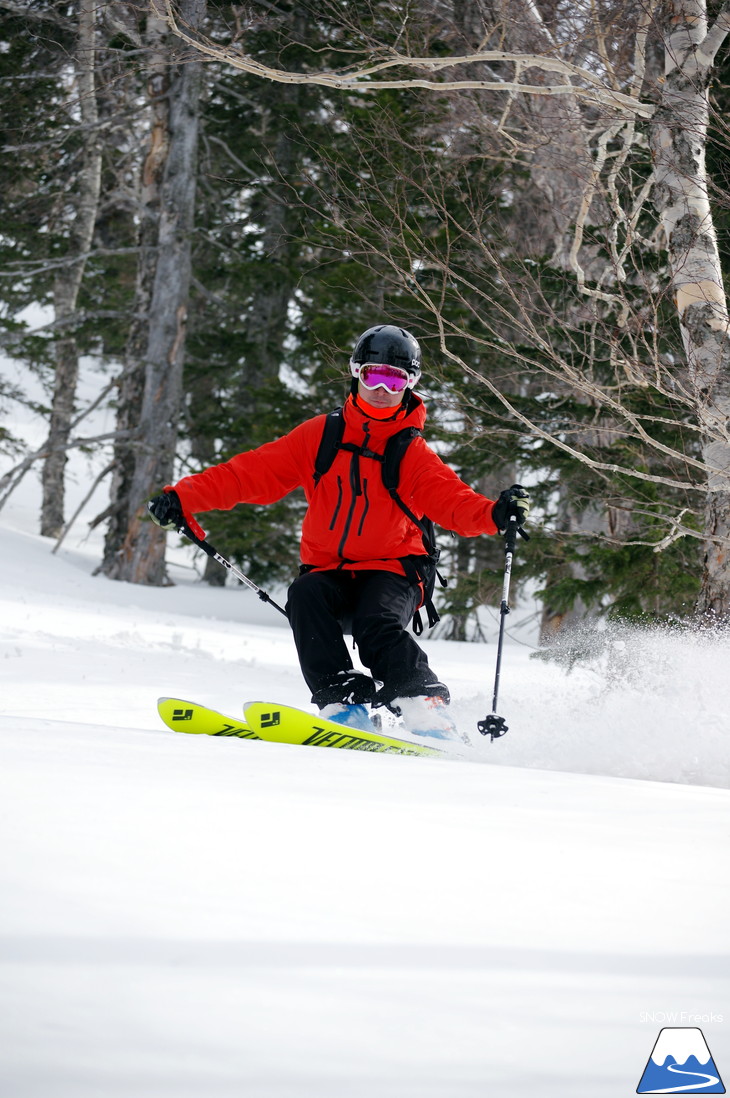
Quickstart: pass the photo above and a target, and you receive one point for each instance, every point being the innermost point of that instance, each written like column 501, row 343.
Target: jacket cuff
column 195, row 527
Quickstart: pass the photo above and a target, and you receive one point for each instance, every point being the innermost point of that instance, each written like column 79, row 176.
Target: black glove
column 166, row 510
column 512, row 501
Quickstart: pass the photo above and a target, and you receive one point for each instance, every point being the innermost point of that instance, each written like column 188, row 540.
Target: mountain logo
column 680, row 1063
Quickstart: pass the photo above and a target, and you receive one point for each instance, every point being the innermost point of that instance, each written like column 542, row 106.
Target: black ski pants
column 378, row 606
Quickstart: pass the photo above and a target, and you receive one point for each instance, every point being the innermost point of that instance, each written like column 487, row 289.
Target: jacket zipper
column 339, row 502
column 366, row 506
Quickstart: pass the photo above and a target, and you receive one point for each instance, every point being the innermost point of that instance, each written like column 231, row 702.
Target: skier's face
column 380, row 397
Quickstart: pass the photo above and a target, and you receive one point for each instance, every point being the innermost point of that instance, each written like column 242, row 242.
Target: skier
column 362, row 556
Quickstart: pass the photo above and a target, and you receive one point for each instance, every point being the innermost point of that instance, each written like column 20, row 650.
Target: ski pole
column 183, row 528
column 492, row 725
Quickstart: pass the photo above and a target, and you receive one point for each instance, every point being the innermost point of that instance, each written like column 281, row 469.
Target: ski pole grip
column 511, row 533
column 183, row 528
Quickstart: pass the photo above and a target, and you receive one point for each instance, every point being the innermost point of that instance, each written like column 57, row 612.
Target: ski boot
column 427, row 715
column 349, row 715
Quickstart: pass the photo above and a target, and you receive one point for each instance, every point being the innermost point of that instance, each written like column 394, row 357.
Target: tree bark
column 152, row 383
column 678, row 142
column 132, row 380
column 68, row 280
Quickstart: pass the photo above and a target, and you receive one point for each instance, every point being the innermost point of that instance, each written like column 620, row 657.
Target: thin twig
column 105, row 471
column 360, row 79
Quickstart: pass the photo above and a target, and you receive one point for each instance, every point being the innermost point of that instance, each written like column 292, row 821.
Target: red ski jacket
column 351, row 520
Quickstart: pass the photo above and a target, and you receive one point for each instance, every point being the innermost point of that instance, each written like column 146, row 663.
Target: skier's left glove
column 512, row 501
column 166, row 510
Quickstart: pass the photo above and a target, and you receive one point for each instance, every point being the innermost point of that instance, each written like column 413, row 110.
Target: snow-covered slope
column 200, row 917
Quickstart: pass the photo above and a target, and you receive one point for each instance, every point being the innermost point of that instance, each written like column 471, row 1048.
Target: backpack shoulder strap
column 334, row 429
column 395, row 449
column 394, row 453
column 331, row 442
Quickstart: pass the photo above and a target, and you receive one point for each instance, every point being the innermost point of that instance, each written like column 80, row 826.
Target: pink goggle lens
column 376, row 374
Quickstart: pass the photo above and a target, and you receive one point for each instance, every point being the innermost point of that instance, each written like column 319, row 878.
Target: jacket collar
column 411, row 414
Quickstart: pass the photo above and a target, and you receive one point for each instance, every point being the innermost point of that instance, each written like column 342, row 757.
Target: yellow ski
column 187, row 716
column 284, row 724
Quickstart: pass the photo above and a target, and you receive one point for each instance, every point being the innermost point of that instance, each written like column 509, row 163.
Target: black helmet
column 389, row 344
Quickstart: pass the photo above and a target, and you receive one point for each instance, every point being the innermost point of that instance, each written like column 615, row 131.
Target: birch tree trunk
column 68, row 280
column 152, row 382
column 678, row 140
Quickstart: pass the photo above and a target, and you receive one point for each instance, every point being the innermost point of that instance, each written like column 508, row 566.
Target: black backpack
column 418, row 569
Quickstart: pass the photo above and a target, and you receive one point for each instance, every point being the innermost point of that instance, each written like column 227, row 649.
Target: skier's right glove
column 512, row 501
column 166, row 510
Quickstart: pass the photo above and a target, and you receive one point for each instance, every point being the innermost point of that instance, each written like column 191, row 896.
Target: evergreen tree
column 33, row 135
column 47, row 258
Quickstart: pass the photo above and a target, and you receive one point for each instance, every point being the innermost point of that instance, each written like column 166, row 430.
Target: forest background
column 206, row 204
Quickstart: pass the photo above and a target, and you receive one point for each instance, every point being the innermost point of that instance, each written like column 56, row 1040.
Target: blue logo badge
column 680, row 1063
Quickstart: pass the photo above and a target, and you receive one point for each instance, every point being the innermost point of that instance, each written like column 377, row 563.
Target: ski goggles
column 378, row 375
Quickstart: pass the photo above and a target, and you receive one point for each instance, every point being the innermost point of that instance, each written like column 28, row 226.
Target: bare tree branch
column 81, row 316
column 97, row 481
column 12, row 479
column 360, row 79
column 24, row 268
